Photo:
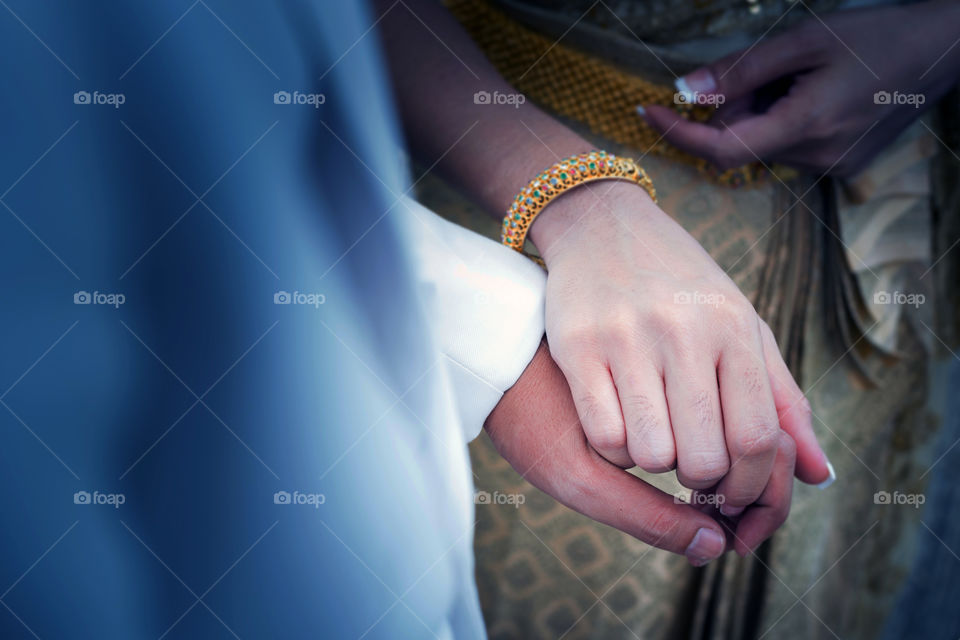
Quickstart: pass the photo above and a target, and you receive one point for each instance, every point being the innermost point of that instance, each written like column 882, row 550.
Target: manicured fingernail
column 731, row 512
column 699, row 81
column 829, row 481
column 641, row 110
column 706, row 546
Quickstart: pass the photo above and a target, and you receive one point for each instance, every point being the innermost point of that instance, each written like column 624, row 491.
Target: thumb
column 813, row 467
column 621, row 500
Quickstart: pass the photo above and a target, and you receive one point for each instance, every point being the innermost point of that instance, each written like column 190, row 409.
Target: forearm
column 489, row 151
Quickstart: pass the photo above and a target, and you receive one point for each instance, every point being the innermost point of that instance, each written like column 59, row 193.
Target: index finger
column 742, row 142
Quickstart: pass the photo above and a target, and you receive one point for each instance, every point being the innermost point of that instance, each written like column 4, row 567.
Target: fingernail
column 829, row 481
column 706, row 546
column 731, row 512
column 699, row 81
column 641, row 110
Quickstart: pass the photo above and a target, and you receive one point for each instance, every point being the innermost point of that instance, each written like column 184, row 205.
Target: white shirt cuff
column 487, row 303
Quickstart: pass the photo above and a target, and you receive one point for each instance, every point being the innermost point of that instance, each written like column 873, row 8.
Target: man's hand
column 826, row 96
column 536, row 429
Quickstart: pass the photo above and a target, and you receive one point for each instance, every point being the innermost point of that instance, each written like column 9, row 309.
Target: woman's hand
column 841, row 89
column 668, row 363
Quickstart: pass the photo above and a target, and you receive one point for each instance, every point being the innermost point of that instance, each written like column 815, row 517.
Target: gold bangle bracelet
column 560, row 178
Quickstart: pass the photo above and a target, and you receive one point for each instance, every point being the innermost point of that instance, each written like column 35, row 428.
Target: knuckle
column 636, row 405
column 657, row 524
column 668, row 317
column 569, row 342
column 620, row 327
column 593, row 413
column 704, row 471
column 608, row 439
column 649, row 441
column 655, row 461
column 760, row 436
column 653, row 455
column 739, row 318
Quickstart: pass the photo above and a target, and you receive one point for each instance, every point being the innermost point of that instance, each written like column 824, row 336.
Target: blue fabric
column 198, row 398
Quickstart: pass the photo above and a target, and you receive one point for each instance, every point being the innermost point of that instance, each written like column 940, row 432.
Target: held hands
column 667, row 363
column 841, row 89
column 535, row 428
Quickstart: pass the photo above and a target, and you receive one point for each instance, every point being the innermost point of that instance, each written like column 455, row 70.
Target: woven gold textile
column 584, row 88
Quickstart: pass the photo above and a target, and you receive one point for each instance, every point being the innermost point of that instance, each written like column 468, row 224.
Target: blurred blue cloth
column 221, row 413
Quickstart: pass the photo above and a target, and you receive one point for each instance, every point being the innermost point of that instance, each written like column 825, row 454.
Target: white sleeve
column 487, row 303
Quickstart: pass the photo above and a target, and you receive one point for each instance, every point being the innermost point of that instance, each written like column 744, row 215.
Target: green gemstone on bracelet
column 563, row 176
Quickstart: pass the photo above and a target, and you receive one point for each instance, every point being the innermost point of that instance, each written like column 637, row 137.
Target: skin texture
column 659, row 383
column 821, row 78
column 536, row 429
column 654, row 382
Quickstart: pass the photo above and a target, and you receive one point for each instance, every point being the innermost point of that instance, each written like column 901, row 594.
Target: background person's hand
column 535, row 428
column 825, row 96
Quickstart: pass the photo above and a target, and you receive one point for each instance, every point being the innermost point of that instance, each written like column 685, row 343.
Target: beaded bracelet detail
column 560, row 178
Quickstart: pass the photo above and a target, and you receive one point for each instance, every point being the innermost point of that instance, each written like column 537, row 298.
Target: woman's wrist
column 585, row 209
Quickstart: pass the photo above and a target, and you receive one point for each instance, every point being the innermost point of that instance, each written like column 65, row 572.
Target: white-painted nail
column 699, row 81
column 684, row 89
column 829, row 481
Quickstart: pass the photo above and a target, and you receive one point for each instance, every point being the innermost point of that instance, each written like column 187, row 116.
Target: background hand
column 826, row 96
